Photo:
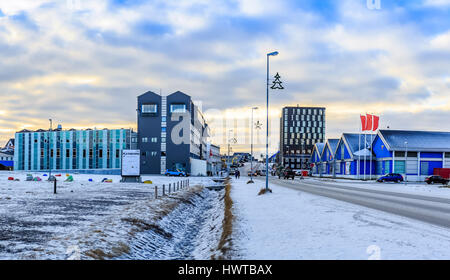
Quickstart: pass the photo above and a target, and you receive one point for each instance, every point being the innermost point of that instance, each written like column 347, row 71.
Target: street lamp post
column 251, row 151
column 406, row 162
column 49, row 159
column 229, row 147
column 267, row 120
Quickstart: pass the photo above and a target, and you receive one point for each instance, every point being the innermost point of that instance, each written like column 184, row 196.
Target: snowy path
column 292, row 224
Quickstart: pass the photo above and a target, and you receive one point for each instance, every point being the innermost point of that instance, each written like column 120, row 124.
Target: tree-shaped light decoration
column 277, row 83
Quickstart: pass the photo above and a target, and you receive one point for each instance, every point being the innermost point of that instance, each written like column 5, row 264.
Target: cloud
column 84, row 65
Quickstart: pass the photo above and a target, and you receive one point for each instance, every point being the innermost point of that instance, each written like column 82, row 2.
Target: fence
column 171, row 187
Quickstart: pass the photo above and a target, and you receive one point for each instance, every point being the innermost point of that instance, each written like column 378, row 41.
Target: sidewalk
column 289, row 224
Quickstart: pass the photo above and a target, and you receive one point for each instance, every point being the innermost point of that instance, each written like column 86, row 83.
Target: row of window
column 6, row 158
column 297, row 152
column 153, row 108
column 309, row 111
column 99, row 153
column 305, row 139
column 304, row 124
column 304, row 118
column 413, row 154
column 304, row 136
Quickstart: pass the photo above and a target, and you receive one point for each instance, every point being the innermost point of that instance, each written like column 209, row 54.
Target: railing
column 171, row 187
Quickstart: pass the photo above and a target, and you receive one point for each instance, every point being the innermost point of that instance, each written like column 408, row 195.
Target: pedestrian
column 238, row 174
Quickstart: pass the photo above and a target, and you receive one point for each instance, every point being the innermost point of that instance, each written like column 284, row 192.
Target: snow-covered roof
column 416, row 140
column 355, row 143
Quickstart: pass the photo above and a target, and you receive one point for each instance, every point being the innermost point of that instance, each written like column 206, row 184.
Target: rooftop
column 416, row 140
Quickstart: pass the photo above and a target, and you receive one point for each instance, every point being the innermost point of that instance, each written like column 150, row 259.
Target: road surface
column 432, row 210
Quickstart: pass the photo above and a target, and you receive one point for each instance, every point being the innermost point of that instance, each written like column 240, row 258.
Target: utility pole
column 267, row 116
column 406, row 162
column 49, row 158
column 251, row 151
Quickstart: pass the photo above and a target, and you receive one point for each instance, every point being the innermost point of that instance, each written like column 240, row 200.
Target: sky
column 83, row 63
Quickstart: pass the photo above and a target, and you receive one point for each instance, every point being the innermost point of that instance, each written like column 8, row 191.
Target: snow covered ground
column 290, row 224
column 104, row 220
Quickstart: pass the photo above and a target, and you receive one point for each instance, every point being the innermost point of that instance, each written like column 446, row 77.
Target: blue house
column 351, row 151
column 6, row 161
column 327, row 156
column 316, row 157
column 414, row 154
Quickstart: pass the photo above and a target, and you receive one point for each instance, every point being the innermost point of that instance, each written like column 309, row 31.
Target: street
column 427, row 209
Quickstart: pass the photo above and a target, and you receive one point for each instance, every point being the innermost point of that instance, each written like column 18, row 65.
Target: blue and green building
column 414, row 154
column 84, row 151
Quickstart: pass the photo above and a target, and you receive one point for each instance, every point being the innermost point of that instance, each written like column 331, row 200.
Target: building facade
column 85, row 151
column 6, row 161
column 300, row 129
column 414, row 154
column 172, row 134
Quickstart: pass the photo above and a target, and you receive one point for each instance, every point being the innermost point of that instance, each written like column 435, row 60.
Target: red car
column 436, row 179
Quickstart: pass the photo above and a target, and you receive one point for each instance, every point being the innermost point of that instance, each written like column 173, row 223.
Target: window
column 177, row 108
column 67, row 153
column 149, row 108
column 163, row 119
column 100, row 153
column 424, row 168
column 399, row 166
column 412, row 154
column 58, row 153
column 154, row 140
column 90, row 153
column 163, row 129
column 447, row 155
column 144, row 139
column 154, row 154
column 84, row 153
column 399, row 154
column 117, row 153
column 74, row 152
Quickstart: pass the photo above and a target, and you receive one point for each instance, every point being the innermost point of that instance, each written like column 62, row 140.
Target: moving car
column 289, row 174
column 436, row 179
column 391, row 177
column 175, row 173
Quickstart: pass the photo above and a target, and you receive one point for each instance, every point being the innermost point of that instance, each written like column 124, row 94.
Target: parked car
column 289, row 174
column 436, row 179
column 175, row 173
column 391, row 177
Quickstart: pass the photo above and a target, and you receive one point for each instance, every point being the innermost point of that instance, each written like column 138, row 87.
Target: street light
column 267, row 120
column 229, row 141
column 406, row 160
column 251, row 151
column 48, row 145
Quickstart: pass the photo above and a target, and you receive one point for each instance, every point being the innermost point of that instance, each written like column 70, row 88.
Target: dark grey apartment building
column 172, row 133
column 300, row 129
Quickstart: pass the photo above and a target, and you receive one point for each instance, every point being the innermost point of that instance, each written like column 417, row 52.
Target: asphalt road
column 427, row 209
